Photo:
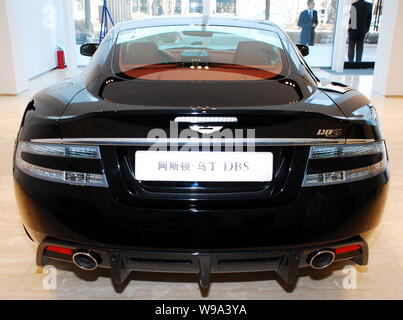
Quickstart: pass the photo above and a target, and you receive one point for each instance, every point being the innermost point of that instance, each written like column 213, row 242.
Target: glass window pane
column 313, row 26
column 226, row 7
column 188, row 53
column 285, row 13
column 363, row 46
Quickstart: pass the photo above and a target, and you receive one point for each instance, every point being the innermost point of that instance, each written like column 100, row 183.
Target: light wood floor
column 382, row 279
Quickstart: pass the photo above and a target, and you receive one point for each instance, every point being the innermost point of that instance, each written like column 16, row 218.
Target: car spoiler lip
column 203, row 141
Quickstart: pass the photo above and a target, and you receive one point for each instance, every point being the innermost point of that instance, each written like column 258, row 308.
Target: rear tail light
column 61, row 176
column 346, row 151
column 345, row 176
column 57, row 150
column 61, row 250
column 346, row 249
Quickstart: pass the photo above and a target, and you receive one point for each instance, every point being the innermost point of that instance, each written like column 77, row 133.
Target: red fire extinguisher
column 61, row 61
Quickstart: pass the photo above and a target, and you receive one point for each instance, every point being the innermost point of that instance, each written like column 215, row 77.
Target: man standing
column 308, row 20
column 360, row 22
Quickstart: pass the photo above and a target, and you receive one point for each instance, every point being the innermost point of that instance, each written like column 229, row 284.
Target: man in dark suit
column 360, row 22
column 308, row 21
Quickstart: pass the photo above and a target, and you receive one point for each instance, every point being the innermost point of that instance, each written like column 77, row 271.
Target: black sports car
column 200, row 145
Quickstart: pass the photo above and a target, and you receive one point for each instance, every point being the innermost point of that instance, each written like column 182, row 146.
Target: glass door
column 370, row 40
column 308, row 22
column 292, row 16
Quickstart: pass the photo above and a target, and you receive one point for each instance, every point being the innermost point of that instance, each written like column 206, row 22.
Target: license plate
column 204, row 166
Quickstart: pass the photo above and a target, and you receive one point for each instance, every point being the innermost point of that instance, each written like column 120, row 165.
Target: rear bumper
column 284, row 261
column 92, row 216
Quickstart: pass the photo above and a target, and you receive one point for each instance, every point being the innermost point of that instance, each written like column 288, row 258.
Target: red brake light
column 348, row 249
column 59, row 250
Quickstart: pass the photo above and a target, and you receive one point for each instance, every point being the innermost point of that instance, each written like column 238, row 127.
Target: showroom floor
column 381, row 279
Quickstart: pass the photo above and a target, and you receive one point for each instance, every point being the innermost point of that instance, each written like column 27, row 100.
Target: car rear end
column 83, row 195
column 218, row 172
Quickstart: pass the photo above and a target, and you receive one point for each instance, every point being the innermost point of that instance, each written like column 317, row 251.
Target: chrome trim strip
column 179, row 141
column 359, row 141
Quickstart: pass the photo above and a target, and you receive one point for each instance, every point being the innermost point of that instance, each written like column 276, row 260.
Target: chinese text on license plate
column 204, row 166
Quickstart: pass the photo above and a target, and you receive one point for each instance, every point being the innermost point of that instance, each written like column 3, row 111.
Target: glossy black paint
column 314, row 215
column 304, row 49
column 89, row 49
column 285, row 262
column 136, row 215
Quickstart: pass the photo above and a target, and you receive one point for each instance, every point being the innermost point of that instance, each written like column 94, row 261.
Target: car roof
column 196, row 20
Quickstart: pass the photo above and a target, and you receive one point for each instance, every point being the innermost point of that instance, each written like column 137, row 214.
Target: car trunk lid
column 285, row 130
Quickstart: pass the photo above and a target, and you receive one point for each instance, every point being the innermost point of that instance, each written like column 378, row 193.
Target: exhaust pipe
column 86, row 260
column 321, row 259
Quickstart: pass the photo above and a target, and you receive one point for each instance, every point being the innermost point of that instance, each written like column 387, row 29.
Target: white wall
column 40, row 21
column 13, row 77
column 30, row 31
column 389, row 66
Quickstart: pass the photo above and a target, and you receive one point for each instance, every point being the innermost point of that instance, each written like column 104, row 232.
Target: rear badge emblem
column 205, row 129
column 330, row 133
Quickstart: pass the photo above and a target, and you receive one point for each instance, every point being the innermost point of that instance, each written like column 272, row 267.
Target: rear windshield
column 199, row 53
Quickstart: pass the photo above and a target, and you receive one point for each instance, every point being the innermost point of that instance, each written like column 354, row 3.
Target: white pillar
column 213, row 7
column 389, row 66
column 184, row 7
column 69, row 38
column 341, row 32
column 13, row 71
column 209, row 7
column 150, row 7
